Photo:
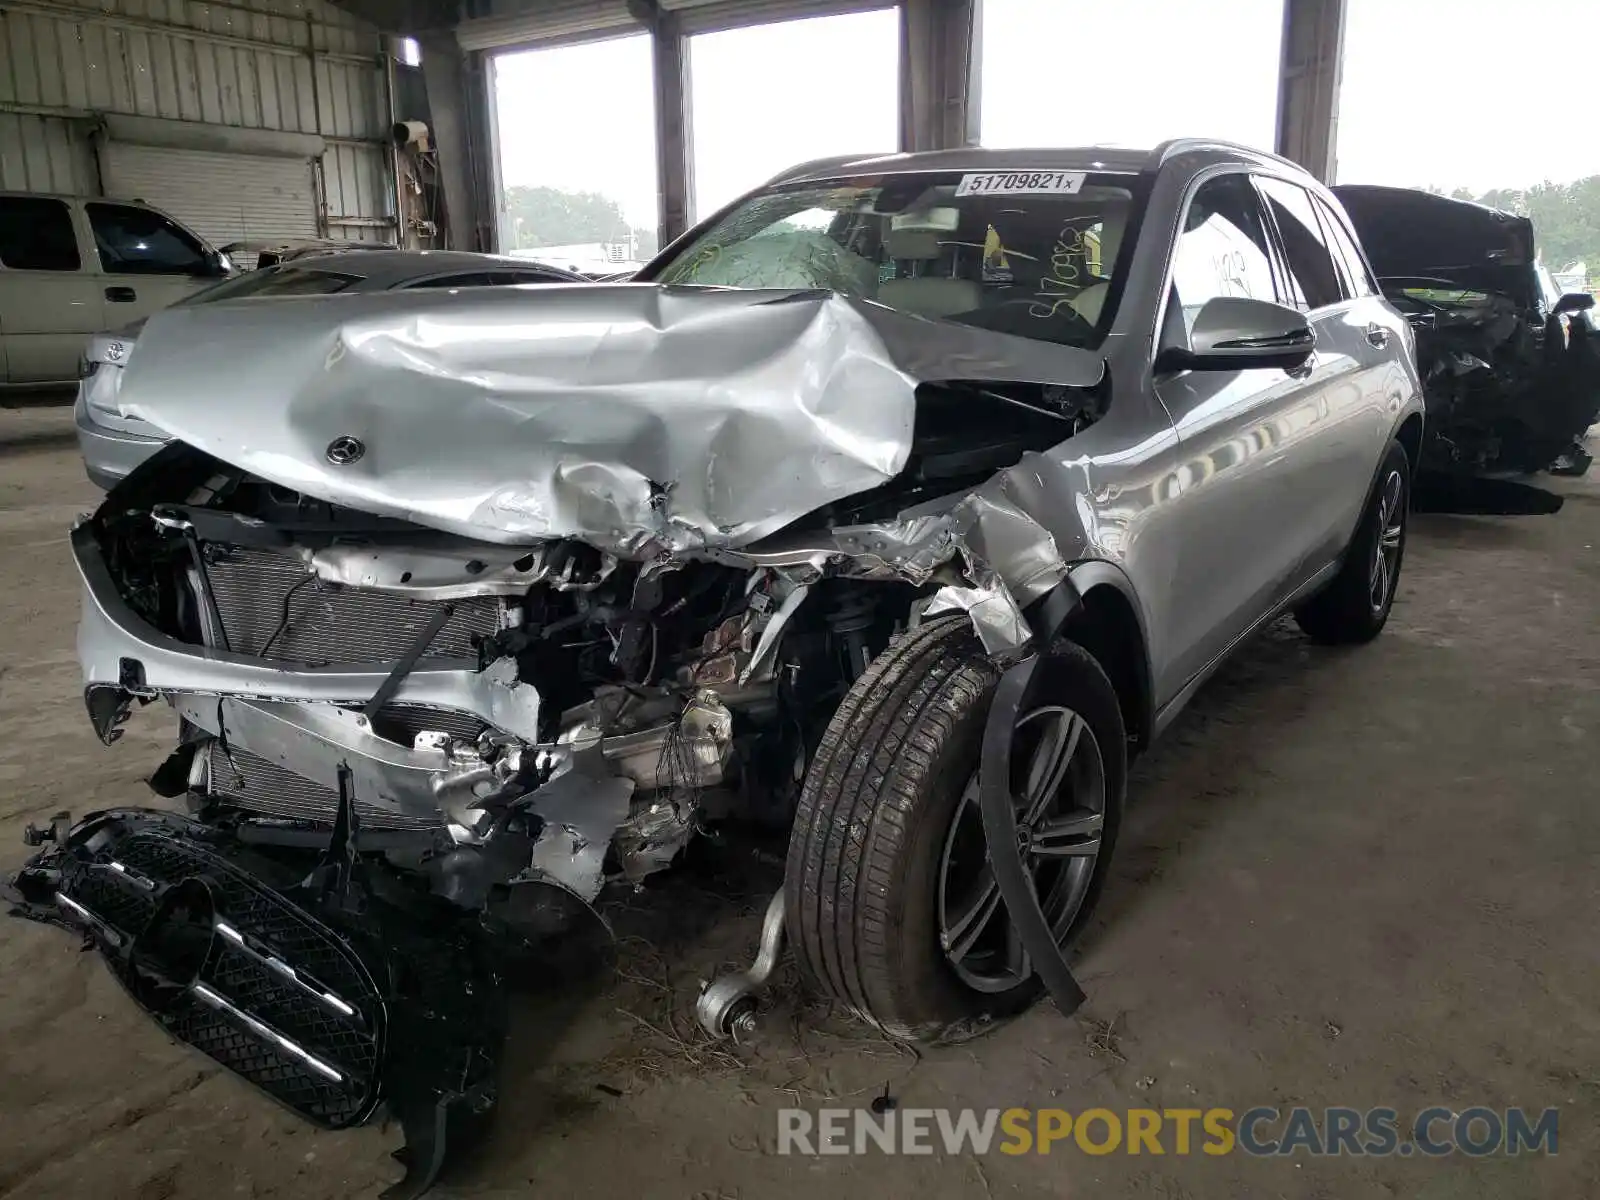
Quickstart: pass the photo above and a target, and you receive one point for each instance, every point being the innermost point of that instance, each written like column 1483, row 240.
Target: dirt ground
column 1349, row 878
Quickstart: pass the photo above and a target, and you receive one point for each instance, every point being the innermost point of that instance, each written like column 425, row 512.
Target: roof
column 1115, row 159
column 70, row 197
column 386, row 268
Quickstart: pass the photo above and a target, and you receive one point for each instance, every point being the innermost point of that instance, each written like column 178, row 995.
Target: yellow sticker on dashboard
column 1020, row 183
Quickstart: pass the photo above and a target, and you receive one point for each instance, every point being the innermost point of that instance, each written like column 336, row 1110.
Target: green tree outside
column 545, row 216
column 1565, row 216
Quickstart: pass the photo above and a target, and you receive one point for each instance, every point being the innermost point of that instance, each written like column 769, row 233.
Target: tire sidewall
column 951, row 1010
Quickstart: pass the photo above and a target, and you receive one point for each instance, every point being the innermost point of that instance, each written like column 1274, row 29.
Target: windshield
column 275, row 281
column 1033, row 253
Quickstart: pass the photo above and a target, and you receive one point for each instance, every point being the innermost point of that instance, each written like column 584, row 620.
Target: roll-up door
column 552, row 21
column 708, row 16
column 221, row 196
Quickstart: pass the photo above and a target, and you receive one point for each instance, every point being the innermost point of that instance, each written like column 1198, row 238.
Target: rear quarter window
column 36, row 234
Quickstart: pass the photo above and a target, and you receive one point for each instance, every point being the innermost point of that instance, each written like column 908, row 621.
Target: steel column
column 1309, row 72
column 674, row 127
column 940, row 80
column 445, row 76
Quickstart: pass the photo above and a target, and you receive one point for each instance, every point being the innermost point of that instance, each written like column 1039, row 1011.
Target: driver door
column 1234, row 502
column 147, row 261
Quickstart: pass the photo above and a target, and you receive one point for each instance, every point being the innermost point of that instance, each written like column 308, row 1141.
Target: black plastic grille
column 351, row 1044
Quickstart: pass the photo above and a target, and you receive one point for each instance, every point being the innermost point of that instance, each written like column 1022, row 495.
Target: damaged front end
column 440, row 681
column 1511, row 370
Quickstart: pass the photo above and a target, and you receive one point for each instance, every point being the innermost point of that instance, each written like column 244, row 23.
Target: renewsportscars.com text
column 1260, row 1132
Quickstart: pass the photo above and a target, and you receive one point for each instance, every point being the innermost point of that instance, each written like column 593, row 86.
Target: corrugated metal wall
column 296, row 65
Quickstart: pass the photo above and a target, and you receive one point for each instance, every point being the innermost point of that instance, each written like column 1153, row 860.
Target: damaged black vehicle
column 896, row 506
column 1510, row 366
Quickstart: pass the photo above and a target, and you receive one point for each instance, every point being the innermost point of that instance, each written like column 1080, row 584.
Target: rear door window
column 1313, row 279
column 36, row 234
column 140, row 241
column 1347, row 256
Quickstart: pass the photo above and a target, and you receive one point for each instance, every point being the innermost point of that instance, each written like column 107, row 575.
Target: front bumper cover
column 121, row 651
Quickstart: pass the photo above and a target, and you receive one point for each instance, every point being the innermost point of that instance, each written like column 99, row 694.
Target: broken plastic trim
column 1014, row 695
column 336, row 995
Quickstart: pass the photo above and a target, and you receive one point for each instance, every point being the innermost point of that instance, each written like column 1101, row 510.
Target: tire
column 878, row 813
column 1350, row 609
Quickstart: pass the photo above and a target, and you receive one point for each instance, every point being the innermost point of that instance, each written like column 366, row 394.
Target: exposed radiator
column 253, row 783
column 273, row 608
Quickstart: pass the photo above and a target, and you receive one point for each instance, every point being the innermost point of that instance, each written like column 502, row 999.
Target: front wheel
column 1355, row 606
column 892, row 905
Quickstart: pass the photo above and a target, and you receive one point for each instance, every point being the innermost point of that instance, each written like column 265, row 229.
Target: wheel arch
column 1409, row 435
column 1106, row 619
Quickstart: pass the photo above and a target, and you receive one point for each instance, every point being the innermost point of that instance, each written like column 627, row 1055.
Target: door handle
column 1377, row 336
column 121, row 295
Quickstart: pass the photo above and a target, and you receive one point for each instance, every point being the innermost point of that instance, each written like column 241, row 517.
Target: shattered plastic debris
column 337, row 994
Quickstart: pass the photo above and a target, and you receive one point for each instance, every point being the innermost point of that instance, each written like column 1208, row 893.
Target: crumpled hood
column 637, row 418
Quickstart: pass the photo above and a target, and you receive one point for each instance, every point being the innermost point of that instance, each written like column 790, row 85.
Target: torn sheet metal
column 995, row 617
column 638, row 419
column 581, row 809
column 448, row 568
column 1006, row 556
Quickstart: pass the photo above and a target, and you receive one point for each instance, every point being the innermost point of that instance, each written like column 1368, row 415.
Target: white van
column 73, row 266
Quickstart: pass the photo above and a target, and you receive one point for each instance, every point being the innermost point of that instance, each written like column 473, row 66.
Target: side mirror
column 1232, row 333
column 1574, row 302
column 217, row 266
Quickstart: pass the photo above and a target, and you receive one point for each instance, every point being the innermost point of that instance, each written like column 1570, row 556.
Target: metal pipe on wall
column 396, row 179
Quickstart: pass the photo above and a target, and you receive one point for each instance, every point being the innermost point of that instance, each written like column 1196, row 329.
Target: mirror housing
column 1574, row 302
column 217, row 266
column 1233, row 333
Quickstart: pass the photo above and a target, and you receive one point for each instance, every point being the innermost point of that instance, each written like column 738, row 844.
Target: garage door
column 222, row 197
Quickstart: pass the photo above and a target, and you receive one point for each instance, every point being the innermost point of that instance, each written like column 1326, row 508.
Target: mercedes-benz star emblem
column 343, row 451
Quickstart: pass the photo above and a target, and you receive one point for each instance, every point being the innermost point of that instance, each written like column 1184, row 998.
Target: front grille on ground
column 251, row 782
column 273, row 608
column 224, row 995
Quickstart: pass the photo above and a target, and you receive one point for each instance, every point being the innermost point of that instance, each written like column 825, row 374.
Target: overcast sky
column 1469, row 93
column 1443, row 92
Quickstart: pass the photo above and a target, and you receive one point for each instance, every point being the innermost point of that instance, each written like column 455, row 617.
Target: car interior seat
column 1091, row 301
column 925, row 295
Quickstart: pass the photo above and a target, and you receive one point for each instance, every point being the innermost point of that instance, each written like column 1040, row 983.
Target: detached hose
column 1011, row 699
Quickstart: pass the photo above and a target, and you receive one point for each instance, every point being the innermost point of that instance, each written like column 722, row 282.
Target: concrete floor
column 1349, row 878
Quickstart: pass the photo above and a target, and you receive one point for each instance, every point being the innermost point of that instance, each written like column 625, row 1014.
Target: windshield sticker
column 1020, row 183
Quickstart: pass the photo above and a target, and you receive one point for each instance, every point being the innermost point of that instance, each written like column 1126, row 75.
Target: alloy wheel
column 1060, row 800
column 1386, row 552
